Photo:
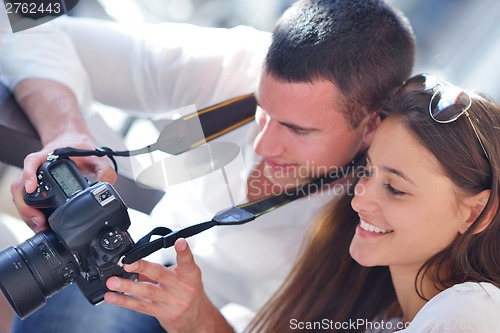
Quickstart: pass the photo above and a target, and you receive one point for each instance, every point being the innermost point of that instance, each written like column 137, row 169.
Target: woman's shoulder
column 479, row 293
column 472, row 288
column 469, row 306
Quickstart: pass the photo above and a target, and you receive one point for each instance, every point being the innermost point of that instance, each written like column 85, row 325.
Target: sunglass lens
column 421, row 82
column 449, row 104
column 416, row 83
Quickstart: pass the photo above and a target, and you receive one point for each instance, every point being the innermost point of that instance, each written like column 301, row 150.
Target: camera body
column 87, row 238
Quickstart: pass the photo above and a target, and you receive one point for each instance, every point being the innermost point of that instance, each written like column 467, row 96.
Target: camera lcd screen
column 66, row 180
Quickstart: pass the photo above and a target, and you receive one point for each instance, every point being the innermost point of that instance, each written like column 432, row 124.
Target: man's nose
column 269, row 142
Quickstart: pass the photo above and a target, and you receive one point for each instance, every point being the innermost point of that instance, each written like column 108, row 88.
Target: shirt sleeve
column 470, row 308
column 144, row 68
column 44, row 52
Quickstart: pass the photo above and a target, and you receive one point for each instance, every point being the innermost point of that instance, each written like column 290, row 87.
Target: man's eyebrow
column 393, row 171
column 298, row 128
column 293, row 126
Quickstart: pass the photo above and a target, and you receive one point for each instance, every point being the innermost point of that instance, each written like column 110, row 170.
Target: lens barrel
column 35, row 270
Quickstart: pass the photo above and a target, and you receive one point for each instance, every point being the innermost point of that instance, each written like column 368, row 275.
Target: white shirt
column 465, row 307
column 162, row 67
column 145, row 68
column 468, row 307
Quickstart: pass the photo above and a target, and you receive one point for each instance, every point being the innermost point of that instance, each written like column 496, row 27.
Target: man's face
column 303, row 132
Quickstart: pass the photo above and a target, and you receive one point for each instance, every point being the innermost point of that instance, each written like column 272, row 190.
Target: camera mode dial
column 111, row 240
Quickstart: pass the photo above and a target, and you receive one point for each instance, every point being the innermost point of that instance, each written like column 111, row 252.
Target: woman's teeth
column 369, row 227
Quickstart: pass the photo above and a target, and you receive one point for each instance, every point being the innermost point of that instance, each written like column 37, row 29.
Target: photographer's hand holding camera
column 35, row 96
column 175, row 296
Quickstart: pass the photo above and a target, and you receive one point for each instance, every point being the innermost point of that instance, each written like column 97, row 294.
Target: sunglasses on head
column 448, row 101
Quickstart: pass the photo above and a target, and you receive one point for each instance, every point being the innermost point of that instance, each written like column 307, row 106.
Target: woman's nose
column 364, row 197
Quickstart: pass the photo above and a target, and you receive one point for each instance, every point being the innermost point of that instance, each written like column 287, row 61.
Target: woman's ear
column 476, row 205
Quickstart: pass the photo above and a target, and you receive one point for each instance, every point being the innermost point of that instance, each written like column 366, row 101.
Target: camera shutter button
column 35, row 194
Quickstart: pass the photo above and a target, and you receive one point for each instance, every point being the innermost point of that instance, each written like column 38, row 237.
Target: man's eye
column 299, row 131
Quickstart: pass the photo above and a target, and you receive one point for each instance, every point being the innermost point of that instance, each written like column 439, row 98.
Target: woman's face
column 408, row 209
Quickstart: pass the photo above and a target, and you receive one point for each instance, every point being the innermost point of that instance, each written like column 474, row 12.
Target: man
column 329, row 65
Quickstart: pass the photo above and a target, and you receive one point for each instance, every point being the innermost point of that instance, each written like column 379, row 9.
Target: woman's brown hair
column 327, row 286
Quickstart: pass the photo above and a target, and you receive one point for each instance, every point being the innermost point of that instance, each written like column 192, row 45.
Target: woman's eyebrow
column 393, row 171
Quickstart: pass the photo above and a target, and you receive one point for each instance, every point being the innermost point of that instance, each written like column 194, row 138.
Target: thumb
column 185, row 260
column 106, row 174
column 101, row 167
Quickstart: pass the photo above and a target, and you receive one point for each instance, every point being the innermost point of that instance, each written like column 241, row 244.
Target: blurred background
column 458, row 40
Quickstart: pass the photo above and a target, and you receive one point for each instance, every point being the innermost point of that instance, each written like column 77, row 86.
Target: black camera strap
column 183, row 134
column 236, row 215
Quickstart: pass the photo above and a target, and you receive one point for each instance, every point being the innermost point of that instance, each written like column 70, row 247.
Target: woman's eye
column 393, row 191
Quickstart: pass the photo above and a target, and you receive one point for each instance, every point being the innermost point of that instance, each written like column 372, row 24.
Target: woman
column 427, row 207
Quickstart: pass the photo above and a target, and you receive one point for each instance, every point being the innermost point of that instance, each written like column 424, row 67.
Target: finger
column 132, row 303
column 30, row 167
column 98, row 166
column 33, row 217
column 185, row 259
column 105, row 173
column 153, row 299
column 143, row 278
column 145, row 290
column 149, row 270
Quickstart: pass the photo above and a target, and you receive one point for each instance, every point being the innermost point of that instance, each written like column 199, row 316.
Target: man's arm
column 54, row 111
column 46, row 102
column 157, row 68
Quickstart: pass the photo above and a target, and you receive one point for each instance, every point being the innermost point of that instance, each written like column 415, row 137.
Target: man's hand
column 98, row 167
column 54, row 112
column 175, row 296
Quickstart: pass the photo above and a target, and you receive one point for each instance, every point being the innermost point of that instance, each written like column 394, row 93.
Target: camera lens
column 35, row 270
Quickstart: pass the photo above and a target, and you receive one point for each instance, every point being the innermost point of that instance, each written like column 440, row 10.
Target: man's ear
column 475, row 205
column 369, row 131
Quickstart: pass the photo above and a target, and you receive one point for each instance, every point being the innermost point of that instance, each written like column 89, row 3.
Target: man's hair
column 364, row 47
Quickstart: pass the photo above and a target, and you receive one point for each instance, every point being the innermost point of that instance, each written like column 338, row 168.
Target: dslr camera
column 85, row 242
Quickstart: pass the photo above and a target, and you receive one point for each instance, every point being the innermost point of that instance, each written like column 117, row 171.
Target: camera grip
column 57, row 182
